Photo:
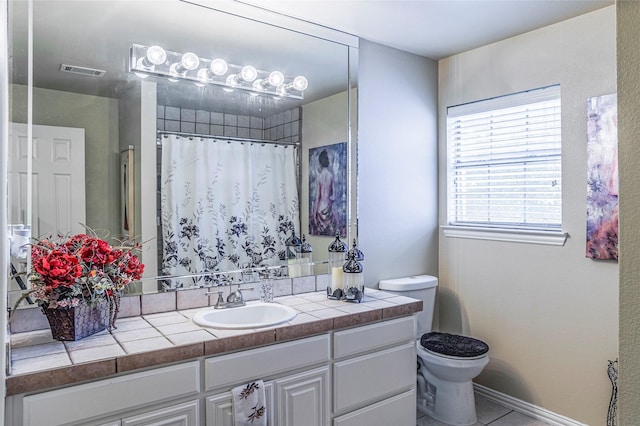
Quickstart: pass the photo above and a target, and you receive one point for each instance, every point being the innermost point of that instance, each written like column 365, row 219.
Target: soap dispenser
column 337, row 251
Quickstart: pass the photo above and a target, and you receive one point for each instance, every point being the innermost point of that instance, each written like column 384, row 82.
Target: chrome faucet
column 234, row 299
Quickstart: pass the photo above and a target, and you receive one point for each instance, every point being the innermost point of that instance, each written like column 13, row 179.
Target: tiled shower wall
column 282, row 127
column 285, row 126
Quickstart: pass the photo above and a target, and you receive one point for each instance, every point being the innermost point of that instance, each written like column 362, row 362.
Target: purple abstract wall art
column 602, row 177
column 328, row 190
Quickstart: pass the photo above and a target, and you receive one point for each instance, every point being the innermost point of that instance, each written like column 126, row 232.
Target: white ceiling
column 433, row 28
column 99, row 33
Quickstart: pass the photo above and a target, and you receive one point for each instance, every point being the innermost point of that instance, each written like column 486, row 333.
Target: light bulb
column 276, row 78
column 258, row 85
column 232, row 80
column 248, row 73
column 300, row 83
column 219, row 66
column 190, row 61
column 156, row 55
column 203, row 75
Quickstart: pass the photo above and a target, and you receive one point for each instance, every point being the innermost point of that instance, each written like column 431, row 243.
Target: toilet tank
column 422, row 287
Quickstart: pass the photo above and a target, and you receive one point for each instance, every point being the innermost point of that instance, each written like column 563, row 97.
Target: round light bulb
column 276, row 78
column 219, row 66
column 300, row 83
column 257, row 85
column 156, row 55
column 203, row 75
column 190, row 61
column 231, row 80
column 248, row 73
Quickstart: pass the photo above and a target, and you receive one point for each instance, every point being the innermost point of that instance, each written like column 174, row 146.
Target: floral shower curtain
column 224, row 205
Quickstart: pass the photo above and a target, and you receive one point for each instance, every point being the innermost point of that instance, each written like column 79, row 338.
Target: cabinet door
column 302, row 399
column 219, row 408
column 185, row 414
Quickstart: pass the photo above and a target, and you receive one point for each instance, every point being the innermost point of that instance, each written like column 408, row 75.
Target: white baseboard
column 525, row 407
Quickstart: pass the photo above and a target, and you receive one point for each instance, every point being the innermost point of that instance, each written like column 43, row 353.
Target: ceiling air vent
column 82, row 70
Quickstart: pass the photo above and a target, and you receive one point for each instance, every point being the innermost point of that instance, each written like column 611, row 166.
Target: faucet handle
column 236, row 296
column 220, row 300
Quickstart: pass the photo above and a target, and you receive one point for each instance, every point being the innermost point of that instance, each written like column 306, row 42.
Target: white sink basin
column 253, row 315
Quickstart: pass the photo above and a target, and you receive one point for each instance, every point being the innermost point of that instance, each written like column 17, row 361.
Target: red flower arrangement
column 80, row 268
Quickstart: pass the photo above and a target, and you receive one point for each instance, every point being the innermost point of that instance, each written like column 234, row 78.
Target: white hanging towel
column 249, row 404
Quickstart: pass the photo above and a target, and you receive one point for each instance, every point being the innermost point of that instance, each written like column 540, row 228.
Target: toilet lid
column 453, row 345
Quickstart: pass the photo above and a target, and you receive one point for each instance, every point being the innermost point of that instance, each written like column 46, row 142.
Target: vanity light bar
column 155, row 61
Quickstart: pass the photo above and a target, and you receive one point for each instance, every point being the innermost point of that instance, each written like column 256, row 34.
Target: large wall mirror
column 211, row 167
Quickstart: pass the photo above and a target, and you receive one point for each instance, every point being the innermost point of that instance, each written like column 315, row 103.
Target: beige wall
column 99, row 117
column 628, row 27
column 548, row 313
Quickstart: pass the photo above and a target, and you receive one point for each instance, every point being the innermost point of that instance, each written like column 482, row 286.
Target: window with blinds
column 504, row 162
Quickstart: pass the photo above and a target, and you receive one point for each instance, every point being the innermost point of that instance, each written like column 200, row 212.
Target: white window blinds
column 504, row 158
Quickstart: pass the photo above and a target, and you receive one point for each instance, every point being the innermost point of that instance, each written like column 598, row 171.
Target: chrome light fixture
column 155, row 55
column 155, row 61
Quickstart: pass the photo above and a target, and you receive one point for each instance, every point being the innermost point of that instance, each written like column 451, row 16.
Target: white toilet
column 447, row 363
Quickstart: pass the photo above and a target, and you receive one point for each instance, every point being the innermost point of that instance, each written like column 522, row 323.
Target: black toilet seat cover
column 453, row 345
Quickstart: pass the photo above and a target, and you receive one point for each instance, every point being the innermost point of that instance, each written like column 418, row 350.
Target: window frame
column 510, row 231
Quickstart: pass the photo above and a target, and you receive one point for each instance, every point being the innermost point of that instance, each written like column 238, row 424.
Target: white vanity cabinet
column 159, row 388
column 361, row 376
column 374, row 374
column 301, row 398
column 298, row 399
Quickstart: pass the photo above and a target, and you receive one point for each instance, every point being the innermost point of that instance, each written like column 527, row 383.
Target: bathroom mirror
column 71, row 82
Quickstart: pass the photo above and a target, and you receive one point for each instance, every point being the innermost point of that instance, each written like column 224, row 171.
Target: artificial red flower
column 81, row 267
column 57, row 268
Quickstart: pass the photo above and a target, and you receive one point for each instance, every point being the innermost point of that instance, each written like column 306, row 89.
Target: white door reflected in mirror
column 58, row 200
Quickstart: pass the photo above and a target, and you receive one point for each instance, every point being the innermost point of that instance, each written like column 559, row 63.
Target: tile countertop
column 38, row 362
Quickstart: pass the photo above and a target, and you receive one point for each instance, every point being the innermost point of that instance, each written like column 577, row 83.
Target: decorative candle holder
column 337, row 251
column 293, row 253
column 353, row 277
column 306, row 257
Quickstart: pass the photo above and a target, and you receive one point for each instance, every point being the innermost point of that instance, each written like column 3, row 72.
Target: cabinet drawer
column 237, row 368
column 374, row 336
column 112, row 395
column 399, row 410
column 186, row 414
column 370, row 378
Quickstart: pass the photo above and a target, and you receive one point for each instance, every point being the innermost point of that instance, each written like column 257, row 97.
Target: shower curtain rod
column 225, row 138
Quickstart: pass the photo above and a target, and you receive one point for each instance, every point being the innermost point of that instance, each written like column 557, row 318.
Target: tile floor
column 489, row 413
